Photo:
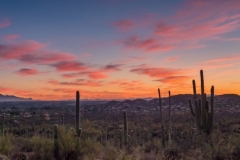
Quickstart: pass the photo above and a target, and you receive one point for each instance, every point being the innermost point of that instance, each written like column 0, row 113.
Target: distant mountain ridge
column 13, row 98
column 155, row 101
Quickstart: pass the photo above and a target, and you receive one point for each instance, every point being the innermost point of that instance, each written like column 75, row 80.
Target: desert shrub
column 153, row 146
column 68, row 143
column 172, row 154
column 42, row 148
column 19, row 155
column 151, row 156
column 91, row 149
column 236, row 153
column 6, row 145
column 26, row 146
column 110, row 152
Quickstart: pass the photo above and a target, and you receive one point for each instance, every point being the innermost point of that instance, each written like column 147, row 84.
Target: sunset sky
column 116, row 49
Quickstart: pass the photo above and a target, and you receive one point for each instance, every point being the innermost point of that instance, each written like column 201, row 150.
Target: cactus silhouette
column 106, row 131
column 120, row 138
column 203, row 117
column 62, row 119
column 77, row 111
column 125, row 128
column 169, row 120
column 3, row 128
column 79, row 134
column 161, row 116
column 56, row 147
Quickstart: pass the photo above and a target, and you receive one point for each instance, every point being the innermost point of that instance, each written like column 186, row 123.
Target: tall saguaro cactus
column 3, row 126
column 120, row 138
column 125, row 128
column 56, row 147
column 204, row 117
column 161, row 116
column 169, row 120
column 77, row 111
column 62, row 119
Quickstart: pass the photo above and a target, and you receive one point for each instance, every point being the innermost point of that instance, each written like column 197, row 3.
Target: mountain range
column 13, row 98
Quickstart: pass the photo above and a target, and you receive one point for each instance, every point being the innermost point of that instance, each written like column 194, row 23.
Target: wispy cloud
column 124, row 25
column 27, row 72
column 225, row 62
column 32, row 52
column 146, row 44
column 90, row 74
column 70, row 66
column 165, row 75
column 11, row 37
column 95, row 73
column 171, row 59
column 193, row 24
column 111, row 67
column 77, row 82
column 5, row 22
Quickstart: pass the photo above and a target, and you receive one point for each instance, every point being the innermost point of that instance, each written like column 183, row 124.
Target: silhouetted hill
column 234, row 96
column 13, row 98
column 113, row 103
column 180, row 98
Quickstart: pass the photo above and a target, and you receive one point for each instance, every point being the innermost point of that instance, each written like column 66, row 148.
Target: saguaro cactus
column 161, row 116
column 125, row 128
column 56, row 147
column 62, row 119
column 106, row 131
column 79, row 134
column 3, row 128
column 204, row 117
column 55, row 132
column 77, row 111
column 169, row 120
column 120, row 138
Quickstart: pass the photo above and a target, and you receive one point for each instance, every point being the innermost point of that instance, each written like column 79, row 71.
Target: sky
column 118, row 49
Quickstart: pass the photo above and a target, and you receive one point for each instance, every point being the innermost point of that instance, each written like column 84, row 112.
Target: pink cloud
column 149, row 44
column 5, row 23
column 70, row 66
column 32, row 52
column 165, row 75
column 5, row 89
column 77, row 82
column 16, row 51
column 156, row 72
column 174, row 79
column 124, row 25
column 194, row 23
column 11, row 37
column 130, row 84
column 90, row 74
column 111, row 67
column 171, row 59
column 200, row 20
column 27, row 72
column 164, row 29
column 99, row 73
column 224, row 59
column 220, row 62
